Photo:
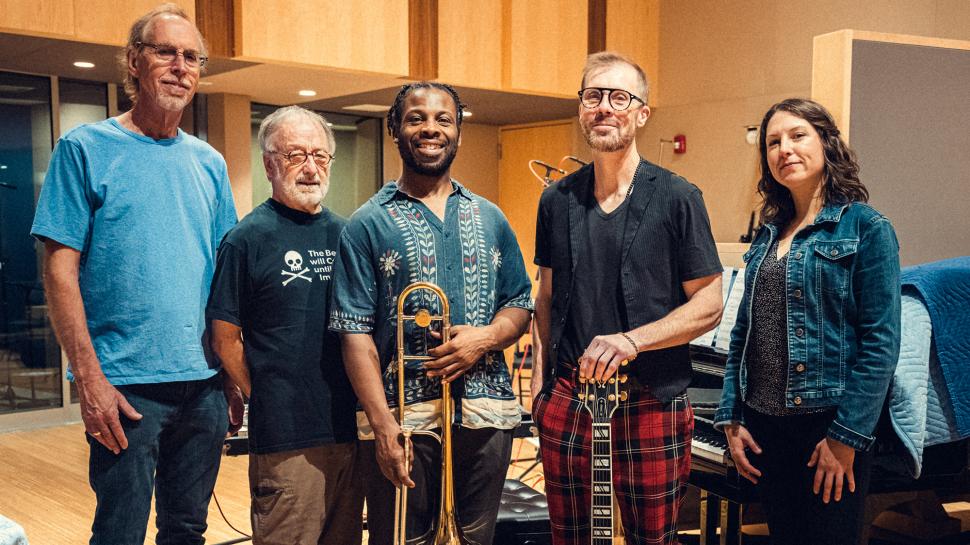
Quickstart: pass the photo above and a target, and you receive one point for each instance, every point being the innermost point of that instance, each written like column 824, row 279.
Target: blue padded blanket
column 919, row 406
column 944, row 287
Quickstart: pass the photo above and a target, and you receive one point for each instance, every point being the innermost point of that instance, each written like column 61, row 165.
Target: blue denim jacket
column 843, row 307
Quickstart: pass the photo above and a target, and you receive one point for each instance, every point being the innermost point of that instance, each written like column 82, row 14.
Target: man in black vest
column 628, row 270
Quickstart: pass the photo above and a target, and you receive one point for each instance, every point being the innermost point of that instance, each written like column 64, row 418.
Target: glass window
column 30, row 359
column 355, row 175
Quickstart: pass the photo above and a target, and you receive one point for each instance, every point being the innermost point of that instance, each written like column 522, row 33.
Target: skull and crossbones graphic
column 294, row 261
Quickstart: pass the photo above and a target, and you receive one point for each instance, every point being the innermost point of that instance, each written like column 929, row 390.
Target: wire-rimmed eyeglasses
column 169, row 53
column 298, row 158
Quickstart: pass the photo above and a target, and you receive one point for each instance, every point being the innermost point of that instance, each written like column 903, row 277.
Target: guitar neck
column 602, row 484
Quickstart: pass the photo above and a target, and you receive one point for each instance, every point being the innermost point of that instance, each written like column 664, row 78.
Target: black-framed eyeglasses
column 169, row 53
column 619, row 99
column 298, row 158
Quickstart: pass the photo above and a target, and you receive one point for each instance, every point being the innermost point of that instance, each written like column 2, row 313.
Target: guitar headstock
column 601, row 399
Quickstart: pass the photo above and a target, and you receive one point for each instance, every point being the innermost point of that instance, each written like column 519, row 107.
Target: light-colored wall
column 230, row 133
column 723, row 64
column 476, row 165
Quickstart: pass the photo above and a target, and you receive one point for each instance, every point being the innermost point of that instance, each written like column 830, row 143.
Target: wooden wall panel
column 470, row 43
column 423, row 39
column 216, row 21
column 832, row 75
column 39, row 18
column 545, row 45
column 518, row 190
column 108, row 21
column 368, row 36
column 633, row 28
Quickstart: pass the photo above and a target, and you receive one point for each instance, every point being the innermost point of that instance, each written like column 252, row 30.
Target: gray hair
column 605, row 59
column 273, row 121
column 140, row 31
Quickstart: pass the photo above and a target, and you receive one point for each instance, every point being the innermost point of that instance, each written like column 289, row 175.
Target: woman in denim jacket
column 817, row 334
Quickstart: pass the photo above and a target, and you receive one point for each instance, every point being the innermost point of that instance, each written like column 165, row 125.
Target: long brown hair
column 840, row 178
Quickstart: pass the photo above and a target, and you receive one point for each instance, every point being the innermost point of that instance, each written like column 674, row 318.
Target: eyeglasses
column 169, row 53
column 298, row 158
column 619, row 100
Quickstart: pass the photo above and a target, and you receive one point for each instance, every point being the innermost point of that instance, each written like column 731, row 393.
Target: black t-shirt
column 273, row 274
column 597, row 306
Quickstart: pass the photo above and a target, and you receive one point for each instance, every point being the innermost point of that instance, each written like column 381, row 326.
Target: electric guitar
column 601, row 399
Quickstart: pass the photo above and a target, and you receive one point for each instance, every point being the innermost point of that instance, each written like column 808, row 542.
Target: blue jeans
column 175, row 450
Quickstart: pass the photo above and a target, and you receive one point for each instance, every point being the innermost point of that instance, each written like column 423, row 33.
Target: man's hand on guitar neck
column 604, row 355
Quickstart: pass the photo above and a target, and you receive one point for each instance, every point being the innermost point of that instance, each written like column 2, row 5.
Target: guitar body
column 601, row 399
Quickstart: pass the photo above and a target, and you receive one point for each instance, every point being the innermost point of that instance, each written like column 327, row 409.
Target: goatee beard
column 607, row 144
column 433, row 170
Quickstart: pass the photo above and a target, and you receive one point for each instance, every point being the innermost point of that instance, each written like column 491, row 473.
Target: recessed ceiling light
column 307, row 93
column 83, row 64
column 3, row 167
column 368, row 108
column 465, row 114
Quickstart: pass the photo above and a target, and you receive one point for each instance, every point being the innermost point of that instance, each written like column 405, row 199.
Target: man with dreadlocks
column 425, row 226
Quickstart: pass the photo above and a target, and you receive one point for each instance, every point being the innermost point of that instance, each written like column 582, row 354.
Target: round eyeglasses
column 298, row 158
column 619, row 99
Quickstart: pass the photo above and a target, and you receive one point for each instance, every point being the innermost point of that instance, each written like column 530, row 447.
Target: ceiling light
column 465, row 114
column 206, row 83
column 83, row 64
column 368, row 108
column 307, row 93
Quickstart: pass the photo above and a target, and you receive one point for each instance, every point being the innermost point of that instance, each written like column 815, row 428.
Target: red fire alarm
column 680, row 144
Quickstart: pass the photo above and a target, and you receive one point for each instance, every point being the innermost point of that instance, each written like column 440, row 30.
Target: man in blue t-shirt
column 131, row 213
column 268, row 311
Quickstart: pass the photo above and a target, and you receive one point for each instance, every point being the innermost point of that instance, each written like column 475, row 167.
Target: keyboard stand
column 717, row 512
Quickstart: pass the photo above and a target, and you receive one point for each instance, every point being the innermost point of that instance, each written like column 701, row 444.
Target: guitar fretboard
column 602, row 484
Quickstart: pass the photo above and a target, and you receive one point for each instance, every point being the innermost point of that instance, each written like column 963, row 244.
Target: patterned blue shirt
column 394, row 240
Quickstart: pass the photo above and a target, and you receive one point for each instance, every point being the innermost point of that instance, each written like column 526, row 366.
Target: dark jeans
column 481, row 460
column 174, row 449
column 796, row 516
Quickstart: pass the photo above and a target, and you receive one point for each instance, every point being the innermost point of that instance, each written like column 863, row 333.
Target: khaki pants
column 310, row 496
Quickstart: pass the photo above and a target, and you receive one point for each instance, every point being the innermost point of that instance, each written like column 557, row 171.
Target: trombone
column 447, row 531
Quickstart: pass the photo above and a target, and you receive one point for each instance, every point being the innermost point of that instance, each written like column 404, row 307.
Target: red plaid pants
column 651, row 463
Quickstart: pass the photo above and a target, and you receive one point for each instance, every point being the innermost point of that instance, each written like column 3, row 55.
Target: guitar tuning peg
column 624, row 363
column 582, row 397
column 624, row 396
column 612, row 397
column 624, row 378
column 612, row 380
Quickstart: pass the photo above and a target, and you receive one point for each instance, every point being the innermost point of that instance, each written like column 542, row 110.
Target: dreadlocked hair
column 394, row 114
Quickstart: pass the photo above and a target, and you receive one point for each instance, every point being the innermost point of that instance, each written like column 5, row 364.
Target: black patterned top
column 768, row 347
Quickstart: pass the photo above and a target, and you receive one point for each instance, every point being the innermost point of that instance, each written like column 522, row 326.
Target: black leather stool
column 523, row 517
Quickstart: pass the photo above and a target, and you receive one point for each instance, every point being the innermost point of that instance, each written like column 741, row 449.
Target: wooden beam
column 423, row 39
column 596, row 32
column 216, row 21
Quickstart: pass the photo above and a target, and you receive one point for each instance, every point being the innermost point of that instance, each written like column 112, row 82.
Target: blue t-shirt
column 147, row 216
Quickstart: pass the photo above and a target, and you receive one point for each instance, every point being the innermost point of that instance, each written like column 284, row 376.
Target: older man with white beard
column 268, row 313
